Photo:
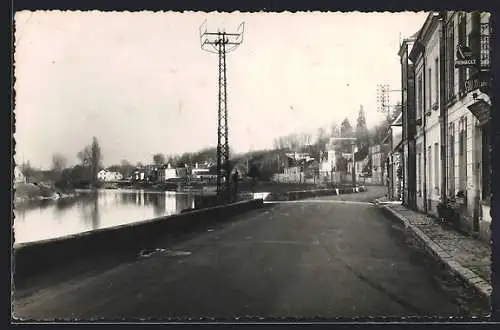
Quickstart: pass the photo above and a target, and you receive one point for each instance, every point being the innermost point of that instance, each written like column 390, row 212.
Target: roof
column 406, row 42
column 418, row 46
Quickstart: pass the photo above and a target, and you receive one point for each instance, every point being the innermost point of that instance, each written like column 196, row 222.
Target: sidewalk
column 467, row 257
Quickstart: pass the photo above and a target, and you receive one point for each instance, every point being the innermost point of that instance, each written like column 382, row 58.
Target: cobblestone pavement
column 468, row 252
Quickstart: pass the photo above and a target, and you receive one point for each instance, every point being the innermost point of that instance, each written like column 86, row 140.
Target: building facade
column 18, row 175
column 451, row 82
column 395, row 160
column 408, row 123
column 468, row 110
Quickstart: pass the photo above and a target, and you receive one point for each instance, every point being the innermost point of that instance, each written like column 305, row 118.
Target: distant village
column 329, row 160
column 160, row 173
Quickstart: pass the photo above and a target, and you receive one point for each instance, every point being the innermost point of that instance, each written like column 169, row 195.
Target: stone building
column 449, row 120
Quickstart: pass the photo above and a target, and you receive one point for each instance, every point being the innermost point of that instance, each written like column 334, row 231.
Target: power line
column 217, row 43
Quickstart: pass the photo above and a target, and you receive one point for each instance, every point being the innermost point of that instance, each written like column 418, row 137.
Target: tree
column 361, row 129
column 91, row 158
column 96, row 162
column 346, row 128
column 368, row 167
column 341, row 163
column 335, row 132
column 253, row 173
column 85, row 156
column 59, row 163
column 27, row 170
column 158, row 159
column 126, row 168
column 304, row 139
column 277, row 143
column 114, row 168
column 321, row 136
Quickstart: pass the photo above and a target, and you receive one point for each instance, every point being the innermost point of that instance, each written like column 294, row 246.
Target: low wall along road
column 36, row 257
column 300, row 194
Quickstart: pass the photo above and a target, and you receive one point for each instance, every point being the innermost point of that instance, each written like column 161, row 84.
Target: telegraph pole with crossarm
column 221, row 43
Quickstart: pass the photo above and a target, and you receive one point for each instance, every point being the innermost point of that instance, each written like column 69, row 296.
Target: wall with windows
column 419, row 138
column 431, row 108
column 465, row 138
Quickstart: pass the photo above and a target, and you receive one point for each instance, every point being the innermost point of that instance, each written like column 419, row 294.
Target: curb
column 302, row 194
column 468, row 276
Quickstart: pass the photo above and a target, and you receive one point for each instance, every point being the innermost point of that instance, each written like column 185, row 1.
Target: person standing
column 235, row 184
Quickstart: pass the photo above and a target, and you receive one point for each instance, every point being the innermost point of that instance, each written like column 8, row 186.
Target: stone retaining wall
column 31, row 258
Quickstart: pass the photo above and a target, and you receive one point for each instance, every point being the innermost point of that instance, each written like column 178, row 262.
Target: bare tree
column 27, row 170
column 277, row 143
column 59, row 163
column 305, row 139
column 91, row 158
column 85, row 156
column 126, row 168
column 335, row 131
column 159, row 159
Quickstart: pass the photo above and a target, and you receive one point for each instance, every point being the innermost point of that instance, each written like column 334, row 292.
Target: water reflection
column 94, row 210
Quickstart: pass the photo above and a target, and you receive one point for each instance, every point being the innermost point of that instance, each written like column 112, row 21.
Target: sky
column 141, row 84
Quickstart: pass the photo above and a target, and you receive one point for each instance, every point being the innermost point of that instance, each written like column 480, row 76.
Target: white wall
column 432, row 127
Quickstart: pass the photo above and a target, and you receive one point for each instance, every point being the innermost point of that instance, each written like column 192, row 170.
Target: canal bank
column 37, row 257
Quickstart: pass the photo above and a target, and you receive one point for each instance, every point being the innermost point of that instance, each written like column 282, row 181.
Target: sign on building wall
column 479, row 81
column 465, row 57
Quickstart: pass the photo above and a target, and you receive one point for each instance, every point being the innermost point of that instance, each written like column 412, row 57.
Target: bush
column 447, row 214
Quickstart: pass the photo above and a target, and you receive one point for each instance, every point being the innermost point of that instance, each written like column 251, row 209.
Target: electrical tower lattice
column 222, row 43
column 383, row 99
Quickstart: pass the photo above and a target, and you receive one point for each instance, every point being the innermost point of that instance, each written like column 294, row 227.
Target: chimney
column 196, row 165
column 169, row 166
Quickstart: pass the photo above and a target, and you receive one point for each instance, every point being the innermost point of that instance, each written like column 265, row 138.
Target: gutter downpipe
column 404, row 140
column 424, row 124
column 443, row 101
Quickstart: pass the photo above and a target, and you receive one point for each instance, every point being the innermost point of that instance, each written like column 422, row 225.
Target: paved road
column 298, row 259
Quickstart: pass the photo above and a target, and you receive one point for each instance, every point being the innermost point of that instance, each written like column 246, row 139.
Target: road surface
column 323, row 257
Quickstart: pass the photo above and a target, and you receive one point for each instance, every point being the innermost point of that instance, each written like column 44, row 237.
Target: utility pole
column 221, row 43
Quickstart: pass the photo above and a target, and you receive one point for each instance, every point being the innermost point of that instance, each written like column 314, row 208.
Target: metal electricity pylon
column 221, row 43
column 383, row 99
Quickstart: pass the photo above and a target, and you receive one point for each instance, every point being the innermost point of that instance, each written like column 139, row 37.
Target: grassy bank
column 26, row 192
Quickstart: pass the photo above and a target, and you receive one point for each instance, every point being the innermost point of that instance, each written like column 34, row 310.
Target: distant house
column 139, row 175
column 395, row 159
column 19, row 176
column 379, row 154
column 108, row 176
column 167, row 172
column 199, row 173
column 328, row 158
column 361, row 159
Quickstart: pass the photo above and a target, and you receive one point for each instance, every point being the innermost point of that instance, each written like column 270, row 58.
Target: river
column 94, row 210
